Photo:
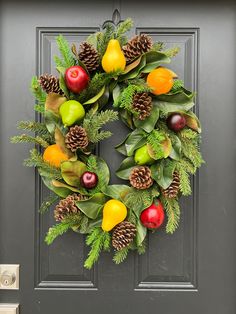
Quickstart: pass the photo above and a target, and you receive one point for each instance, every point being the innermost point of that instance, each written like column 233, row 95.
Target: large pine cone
column 123, row 234
column 76, row 138
column 173, row 189
column 67, row 206
column 137, row 46
column 142, row 103
column 89, row 56
column 50, row 84
column 140, row 177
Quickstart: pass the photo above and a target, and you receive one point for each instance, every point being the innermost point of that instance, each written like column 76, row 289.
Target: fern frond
column 121, row 255
column 24, row 138
column 173, row 213
column 66, row 54
column 188, row 133
column 155, row 139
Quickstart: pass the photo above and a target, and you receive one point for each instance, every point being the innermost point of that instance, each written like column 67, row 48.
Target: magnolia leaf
column 116, row 93
column 102, row 171
column 53, row 102
column 192, row 121
column 71, row 171
column 126, row 117
column 103, row 100
column 121, row 148
column 162, row 173
column 60, row 191
column 132, row 65
column 92, row 206
column 135, row 72
column 151, row 152
column 60, row 141
column 63, row 86
column 141, row 232
column 169, row 107
column 181, row 97
column 61, row 185
column 149, row 123
column 134, row 140
column 154, row 59
column 125, row 168
column 116, row 190
column 167, row 146
column 96, row 97
column 176, row 148
column 52, row 120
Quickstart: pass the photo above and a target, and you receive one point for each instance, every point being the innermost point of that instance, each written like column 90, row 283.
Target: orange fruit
column 160, row 80
column 54, row 155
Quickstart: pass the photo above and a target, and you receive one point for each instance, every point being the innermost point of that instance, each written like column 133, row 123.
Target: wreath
column 160, row 152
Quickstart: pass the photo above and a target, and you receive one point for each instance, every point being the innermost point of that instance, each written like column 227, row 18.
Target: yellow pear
column 114, row 212
column 113, row 58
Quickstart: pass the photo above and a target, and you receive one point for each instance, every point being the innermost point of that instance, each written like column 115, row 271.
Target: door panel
column 192, row 271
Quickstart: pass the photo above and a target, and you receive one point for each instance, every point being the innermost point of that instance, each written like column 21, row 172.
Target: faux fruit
column 76, row 79
column 54, row 155
column 89, row 180
column 113, row 58
column 142, row 157
column 71, row 112
column 153, row 216
column 176, row 122
column 114, row 212
column 160, row 80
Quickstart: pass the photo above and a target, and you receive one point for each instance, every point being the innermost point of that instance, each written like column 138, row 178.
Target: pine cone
column 67, row 206
column 137, row 46
column 50, row 84
column 76, row 138
column 89, row 56
column 140, row 178
column 142, row 103
column 123, row 234
column 172, row 190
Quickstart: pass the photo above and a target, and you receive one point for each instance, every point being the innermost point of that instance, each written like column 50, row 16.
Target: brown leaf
column 60, row 141
column 53, row 102
column 192, row 122
column 132, row 65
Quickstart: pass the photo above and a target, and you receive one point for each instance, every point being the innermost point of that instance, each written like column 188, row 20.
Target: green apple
column 142, row 157
column 71, row 111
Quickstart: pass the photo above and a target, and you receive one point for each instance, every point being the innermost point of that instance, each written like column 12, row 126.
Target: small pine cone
column 140, row 178
column 89, row 56
column 137, row 46
column 50, row 84
column 123, row 234
column 76, row 138
column 173, row 189
column 67, row 206
column 142, row 103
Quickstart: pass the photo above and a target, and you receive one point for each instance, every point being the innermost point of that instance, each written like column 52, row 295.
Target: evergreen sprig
column 104, row 37
column 36, row 160
column 67, row 60
column 173, row 213
column 39, row 95
column 177, row 86
column 98, row 240
column 121, row 255
column 172, row 52
column 185, row 185
column 135, row 196
column 47, row 203
column 37, row 127
column 93, row 122
column 24, row 138
column 61, row 228
column 155, row 139
column 142, row 247
column 188, row 133
column 191, row 151
column 158, row 46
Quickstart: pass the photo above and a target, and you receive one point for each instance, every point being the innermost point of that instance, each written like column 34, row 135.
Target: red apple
column 89, row 180
column 153, row 216
column 176, row 122
column 76, row 79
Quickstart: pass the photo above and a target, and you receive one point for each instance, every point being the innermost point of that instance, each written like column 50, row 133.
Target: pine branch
column 172, row 52
column 46, row 204
column 66, row 54
column 61, row 228
column 177, row 86
column 96, row 246
column 123, row 28
column 24, row 138
column 191, row 151
column 37, row 127
column 104, row 37
column 142, row 248
column 38, row 93
column 48, row 170
column 97, row 120
column 121, row 255
column 185, row 186
column 107, row 242
column 173, row 213
column 155, row 139
column 158, row 46
column 93, row 236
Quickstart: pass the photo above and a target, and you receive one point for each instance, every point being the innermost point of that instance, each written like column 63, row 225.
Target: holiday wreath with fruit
column 161, row 151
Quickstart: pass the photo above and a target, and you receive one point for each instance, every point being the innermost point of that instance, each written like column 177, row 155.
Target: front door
column 191, row 271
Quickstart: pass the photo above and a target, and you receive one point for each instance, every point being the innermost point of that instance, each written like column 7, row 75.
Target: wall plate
column 10, row 269
column 9, row 308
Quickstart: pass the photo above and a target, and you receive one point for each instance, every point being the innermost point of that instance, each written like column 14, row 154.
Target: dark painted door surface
column 191, row 272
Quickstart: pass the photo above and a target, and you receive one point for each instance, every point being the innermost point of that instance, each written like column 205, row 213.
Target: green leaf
column 53, row 102
column 116, row 190
column 125, row 168
column 135, row 72
column 181, row 97
column 141, row 233
column 149, row 123
column 132, row 142
column 92, row 207
column 153, row 60
column 61, row 191
column 162, row 173
column 71, row 172
column 132, row 65
column 51, row 121
column 116, row 93
column 96, row 97
column 60, row 185
column 168, row 107
column 176, row 148
column 192, row 121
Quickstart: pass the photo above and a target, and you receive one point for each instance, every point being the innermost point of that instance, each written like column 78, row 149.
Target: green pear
column 142, row 157
column 71, row 112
